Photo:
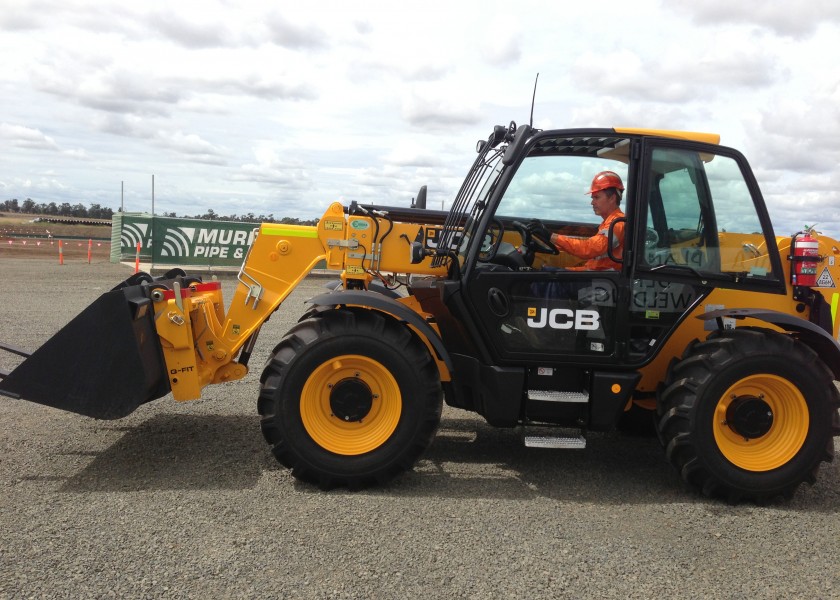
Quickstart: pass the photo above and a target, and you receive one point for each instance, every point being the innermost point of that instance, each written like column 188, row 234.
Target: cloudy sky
column 270, row 108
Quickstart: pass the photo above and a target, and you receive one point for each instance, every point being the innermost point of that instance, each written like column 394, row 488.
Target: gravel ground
column 186, row 501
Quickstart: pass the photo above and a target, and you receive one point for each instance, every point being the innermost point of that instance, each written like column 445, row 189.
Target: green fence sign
column 185, row 242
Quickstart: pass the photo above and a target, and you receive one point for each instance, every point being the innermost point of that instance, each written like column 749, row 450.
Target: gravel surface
column 186, row 501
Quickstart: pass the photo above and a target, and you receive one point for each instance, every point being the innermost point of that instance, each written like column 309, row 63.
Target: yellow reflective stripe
column 834, row 300
column 308, row 232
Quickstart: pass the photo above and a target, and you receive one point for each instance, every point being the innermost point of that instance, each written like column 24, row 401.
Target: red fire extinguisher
column 805, row 257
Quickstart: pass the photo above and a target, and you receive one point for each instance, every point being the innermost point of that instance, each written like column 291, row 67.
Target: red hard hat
column 604, row 181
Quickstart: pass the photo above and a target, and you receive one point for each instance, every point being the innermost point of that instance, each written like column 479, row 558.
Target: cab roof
column 695, row 136
column 607, row 143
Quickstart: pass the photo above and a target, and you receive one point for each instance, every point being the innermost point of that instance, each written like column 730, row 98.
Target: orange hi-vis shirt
column 594, row 249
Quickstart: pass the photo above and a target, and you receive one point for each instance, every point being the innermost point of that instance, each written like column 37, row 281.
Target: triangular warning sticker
column 825, row 279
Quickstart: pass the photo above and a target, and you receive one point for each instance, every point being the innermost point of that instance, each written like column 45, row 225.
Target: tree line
column 95, row 211
column 211, row 215
column 65, row 209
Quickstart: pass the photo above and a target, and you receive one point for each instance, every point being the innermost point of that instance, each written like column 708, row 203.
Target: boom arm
column 200, row 342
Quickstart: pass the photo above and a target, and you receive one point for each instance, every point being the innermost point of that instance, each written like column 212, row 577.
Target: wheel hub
column 749, row 416
column 351, row 400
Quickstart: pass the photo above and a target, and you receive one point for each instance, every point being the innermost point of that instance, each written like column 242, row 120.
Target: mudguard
column 809, row 333
column 383, row 303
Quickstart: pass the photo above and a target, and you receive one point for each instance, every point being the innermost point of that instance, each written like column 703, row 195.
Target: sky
column 271, row 108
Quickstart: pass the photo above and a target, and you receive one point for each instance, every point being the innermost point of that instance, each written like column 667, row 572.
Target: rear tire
column 747, row 415
column 349, row 398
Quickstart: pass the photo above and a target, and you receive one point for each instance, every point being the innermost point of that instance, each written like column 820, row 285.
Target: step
column 555, row 441
column 558, row 396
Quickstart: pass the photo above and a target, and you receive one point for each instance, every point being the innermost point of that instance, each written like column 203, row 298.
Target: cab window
column 701, row 215
column 554, row 190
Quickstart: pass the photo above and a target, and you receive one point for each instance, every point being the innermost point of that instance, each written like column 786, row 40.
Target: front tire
column 349, row 397
column 747, row 415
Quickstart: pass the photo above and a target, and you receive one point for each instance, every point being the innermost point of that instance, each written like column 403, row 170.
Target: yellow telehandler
column 725, row 334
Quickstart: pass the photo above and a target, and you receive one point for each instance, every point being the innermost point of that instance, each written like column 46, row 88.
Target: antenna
column 533, row 99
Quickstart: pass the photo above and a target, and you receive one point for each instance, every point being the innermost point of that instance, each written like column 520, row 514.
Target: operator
column 605, row 192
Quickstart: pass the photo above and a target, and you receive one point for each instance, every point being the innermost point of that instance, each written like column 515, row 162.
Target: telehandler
column 725, row 334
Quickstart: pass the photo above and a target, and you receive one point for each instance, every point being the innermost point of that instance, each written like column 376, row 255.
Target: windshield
column 469, row 204
column 554, row 188
column 550, row 183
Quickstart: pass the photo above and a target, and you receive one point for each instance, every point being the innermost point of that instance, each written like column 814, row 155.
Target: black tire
column 747, row 415
column 349, row 397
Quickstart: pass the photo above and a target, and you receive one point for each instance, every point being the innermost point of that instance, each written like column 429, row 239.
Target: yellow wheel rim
column 375, row 398
column 786, row 434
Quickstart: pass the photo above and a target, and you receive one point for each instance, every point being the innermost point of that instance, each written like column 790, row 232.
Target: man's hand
column 538, row 230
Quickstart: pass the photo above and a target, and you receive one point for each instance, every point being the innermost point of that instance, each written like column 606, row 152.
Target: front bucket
column 103, row 364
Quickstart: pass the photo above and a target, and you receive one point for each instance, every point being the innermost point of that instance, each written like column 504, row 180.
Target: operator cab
column 691, row 224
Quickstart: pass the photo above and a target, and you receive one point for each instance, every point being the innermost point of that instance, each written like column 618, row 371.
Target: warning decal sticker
column 825, row 280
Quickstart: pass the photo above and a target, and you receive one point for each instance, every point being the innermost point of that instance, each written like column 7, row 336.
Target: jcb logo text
column 564, row 318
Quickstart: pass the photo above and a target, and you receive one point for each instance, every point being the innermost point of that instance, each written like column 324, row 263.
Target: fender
column 383, row 303
column 373, row 286
column 822, row 342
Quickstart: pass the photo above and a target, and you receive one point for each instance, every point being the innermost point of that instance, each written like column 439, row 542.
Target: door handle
column 498, row 302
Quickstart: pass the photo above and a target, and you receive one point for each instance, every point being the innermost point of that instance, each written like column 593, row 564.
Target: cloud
column 502, row 44
column 610, row 111
column 676, row 77
column 107, row 89
column 17, row 17
column 124, row 125
column 797, row 20
column 424, row 107
column 19, row 136
column 400, row 68
column 407, row 153
column 191, row 146
column 116, row 90
column 34, row 140
column 272, row 167
column 276, row 86
column 797, row 136
column 363, row 27
column 46, row 184
column 77, row 153
column 291, row 35
column 188, row 32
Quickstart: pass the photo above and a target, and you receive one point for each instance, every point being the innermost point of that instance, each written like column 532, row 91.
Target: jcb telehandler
column 724, row 333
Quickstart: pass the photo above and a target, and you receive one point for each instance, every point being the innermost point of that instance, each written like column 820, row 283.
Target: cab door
column 554, row 316
column 533, row 306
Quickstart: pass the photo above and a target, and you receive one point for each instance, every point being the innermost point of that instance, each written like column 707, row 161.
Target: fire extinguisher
column 805, row 256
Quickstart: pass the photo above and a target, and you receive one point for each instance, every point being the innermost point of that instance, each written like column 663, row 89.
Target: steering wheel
column 651, row 238
column 499, row 252
column 491, row 242
column 534, row 243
